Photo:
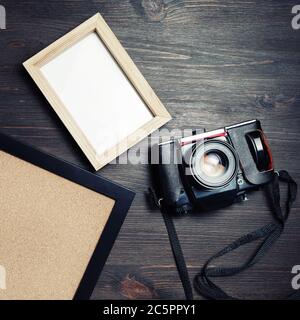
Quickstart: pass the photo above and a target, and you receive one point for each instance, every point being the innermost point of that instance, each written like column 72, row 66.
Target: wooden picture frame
column 38, row 68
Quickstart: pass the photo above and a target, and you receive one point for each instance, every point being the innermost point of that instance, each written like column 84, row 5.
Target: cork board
column 50, row 228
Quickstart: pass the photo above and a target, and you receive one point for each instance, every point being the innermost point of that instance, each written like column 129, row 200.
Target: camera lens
column 214, row 164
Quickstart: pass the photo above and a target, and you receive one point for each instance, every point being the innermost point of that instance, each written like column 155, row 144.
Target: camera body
column 213, row 169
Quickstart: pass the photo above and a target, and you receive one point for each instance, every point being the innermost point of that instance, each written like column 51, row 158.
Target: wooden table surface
column 212, row 63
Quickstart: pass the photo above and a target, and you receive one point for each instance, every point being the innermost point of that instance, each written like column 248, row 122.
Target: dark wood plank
column 212, row 63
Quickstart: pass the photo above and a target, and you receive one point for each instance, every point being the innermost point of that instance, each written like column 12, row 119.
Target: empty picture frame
column 58, row 224
column 97, row 91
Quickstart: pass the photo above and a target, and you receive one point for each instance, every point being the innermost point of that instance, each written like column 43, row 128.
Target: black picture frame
column 123, row 199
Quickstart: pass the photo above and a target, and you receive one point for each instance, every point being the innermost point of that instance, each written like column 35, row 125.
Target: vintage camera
column 213, row 169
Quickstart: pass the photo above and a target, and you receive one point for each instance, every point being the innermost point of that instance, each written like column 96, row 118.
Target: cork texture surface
column 49, row 228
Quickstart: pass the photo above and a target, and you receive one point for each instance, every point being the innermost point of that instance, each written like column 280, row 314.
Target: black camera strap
column 268, row 235
column 178, row 255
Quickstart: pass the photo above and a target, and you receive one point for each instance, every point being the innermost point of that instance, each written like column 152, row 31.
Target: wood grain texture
column 212, row 63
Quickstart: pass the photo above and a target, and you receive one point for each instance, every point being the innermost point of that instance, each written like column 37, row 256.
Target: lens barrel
column 214, row 164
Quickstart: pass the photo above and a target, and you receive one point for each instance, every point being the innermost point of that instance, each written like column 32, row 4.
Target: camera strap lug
column 156, row 201
column 245, row 198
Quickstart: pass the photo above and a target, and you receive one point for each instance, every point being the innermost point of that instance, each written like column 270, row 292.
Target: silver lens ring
column 214, row 164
